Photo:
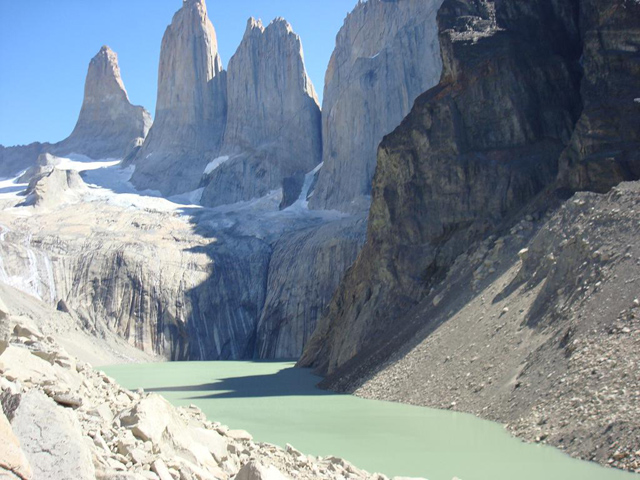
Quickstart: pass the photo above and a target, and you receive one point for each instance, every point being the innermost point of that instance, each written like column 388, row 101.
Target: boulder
column 254, row 470
column 52, row 439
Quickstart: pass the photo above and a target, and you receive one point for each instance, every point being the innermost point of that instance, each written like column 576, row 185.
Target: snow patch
column 302, row 203
column 215, row 163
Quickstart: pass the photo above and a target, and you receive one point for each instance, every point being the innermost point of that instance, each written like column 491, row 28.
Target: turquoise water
column 280, row 404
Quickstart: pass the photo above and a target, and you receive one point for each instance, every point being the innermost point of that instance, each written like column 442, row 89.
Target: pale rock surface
column 273, row 129
column 52, row 186
column 191, row 106
column 386, row 54
column 13, row 463
column 51, row 439
column 256, row 471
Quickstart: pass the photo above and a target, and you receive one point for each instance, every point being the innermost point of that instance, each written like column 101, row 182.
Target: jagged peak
column 103, row 70
column 279, row 23
column 254, row 24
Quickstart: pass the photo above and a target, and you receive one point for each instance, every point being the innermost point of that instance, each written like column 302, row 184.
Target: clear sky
column 46, row 46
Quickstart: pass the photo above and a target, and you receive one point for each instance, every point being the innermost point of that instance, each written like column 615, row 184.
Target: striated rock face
column 273, row 130
column 108, row 125
column 191, row 107
column 605, row 147
column 305, row 269
column 474, row 150
column 386, row 55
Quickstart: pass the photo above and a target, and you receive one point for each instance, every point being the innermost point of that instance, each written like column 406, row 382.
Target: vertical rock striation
column 273, row 130
column 386, row 55
column 474, row 150
column 191, row 107
column 108, row 125
column 305, row 269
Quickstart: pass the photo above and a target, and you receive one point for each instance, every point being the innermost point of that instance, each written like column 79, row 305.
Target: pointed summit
column 191, row 107
column 108, row 124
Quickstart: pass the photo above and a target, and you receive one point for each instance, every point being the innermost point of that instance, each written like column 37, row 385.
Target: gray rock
column 386, row 55
column 191, row 106
column 273, row 128
column 305, row 269
column 108, row 123
column 13, row 463
column 52, row 440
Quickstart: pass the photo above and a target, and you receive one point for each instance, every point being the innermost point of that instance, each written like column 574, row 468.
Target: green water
column 280, row 404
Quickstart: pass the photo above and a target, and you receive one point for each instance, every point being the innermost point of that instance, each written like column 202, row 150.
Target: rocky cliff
column 108, row 125
column 191, row 106
column 386, row 55
column 474, row 150
column 273, row 129
column 304, row 271
column 605, row 147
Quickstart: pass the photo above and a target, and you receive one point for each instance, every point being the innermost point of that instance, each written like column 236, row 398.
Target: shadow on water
column 284, row 383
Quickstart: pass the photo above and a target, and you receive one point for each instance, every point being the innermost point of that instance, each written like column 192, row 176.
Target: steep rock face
column 386, row 55
column 191, row 107
column 108, row 125
column 473, row 151
column 200, row 298
column 605, row 148
column 273, row 127
column 305, row 269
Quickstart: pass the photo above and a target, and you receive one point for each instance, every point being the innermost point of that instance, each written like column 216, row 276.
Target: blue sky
column 46, row 46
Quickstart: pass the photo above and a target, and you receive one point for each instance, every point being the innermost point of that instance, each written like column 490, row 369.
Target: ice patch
column 302, row 203
column 215, row 163
column 81, row 163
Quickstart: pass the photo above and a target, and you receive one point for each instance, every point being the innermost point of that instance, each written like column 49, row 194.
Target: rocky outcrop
column 273, row 130
column 51, row 186
column 111, row 433
column 191, row 106
column 108, row 125
column 605, row 147
column 14, row 160
column 386, row 55
column 304, row 271
column 474, row 150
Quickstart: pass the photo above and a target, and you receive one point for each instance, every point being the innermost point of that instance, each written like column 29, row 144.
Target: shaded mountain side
column 474, row 150
column 536, row 328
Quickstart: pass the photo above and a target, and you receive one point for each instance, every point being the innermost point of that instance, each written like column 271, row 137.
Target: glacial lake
column 280, row 404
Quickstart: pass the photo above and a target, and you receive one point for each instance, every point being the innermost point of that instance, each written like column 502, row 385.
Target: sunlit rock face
column 108, row 125
column 386, row 54
column 191, row 107
column 273, row 130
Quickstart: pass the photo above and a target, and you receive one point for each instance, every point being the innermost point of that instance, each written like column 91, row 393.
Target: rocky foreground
column 61, row 419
